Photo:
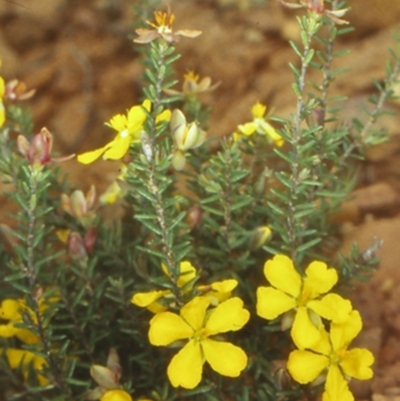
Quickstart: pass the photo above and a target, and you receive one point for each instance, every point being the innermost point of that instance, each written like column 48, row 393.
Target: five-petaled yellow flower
column 197, row 324
column 217, row 292
column 330, row 356
column 259, row 125
column 302, row 296
column 129, row 128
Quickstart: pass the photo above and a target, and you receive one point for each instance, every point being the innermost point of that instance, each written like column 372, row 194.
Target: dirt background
column 78, row 55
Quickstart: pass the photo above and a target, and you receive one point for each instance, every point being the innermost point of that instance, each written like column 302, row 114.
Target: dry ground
column 78, row 56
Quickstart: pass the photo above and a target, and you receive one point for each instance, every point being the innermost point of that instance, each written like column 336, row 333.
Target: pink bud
column 76, row 247
column 38, row 151
column 90, row 238
column 316, row 6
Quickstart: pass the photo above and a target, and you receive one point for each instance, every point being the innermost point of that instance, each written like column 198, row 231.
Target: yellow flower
column 129, row 128
column 259, row 125
column 292, row 292
column 24, row 359
column 331, row 356
column 163, row 29
column 217, row 292
column 197, row 326
column 13, row 310
column 192, row 86
column 116, row 395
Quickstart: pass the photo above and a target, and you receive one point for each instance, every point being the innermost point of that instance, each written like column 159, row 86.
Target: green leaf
column 308, row 245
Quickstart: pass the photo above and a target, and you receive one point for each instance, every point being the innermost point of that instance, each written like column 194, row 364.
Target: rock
column 375, row 198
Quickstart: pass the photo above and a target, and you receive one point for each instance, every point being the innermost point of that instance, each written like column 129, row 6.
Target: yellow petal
column 167, row 327
column 187, row 273
column 144, row 299
column 2, row 114
column 116, row 395
column 221, row 290
column 342, row 334
column 10, row 309
column 194, row 312
column 247, row 129
column 164, row 116
column 147, row 104
column 8, row 330
column 332, row 307
column 155, row 307
column 27, row 336
column 272, row 303
column 111, row 194
column 304, row 333
column 118, row 148
column 357, row 363
column 63, row 235
column 136, row 119
column 305, row 366
column 225, row 358
column 118, row 122
column 227, row 316
column 319, row 279
column 336, row 387
column 186, row 367
column 2, row 87
column 225, row 285
column 90, row 157
column 282, row 275
column 258, row 110
column 271, row 132
column 323, row 346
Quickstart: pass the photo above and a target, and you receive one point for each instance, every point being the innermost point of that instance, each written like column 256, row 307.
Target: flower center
column 303, row 298
column 124, row 133
column 200, row 335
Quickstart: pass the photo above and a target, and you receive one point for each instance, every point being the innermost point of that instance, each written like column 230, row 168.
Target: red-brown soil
column 78, row 56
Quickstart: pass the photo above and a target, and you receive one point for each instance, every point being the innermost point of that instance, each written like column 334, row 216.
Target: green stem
column 34, row 181
column 292, row 222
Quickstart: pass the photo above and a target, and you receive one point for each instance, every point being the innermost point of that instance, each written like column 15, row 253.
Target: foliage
column 183, row 269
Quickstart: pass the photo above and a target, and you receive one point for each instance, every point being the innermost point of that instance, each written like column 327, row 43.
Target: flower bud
column 76, row 247
column 104, row 377
column 178, row 160
column 316, row 118
column 186, row 136
column 38, row 151
column 113, row 363
column 77, row 204
column 194, row 216
column 259, row 237
column 89, row 240
column 316, row 6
